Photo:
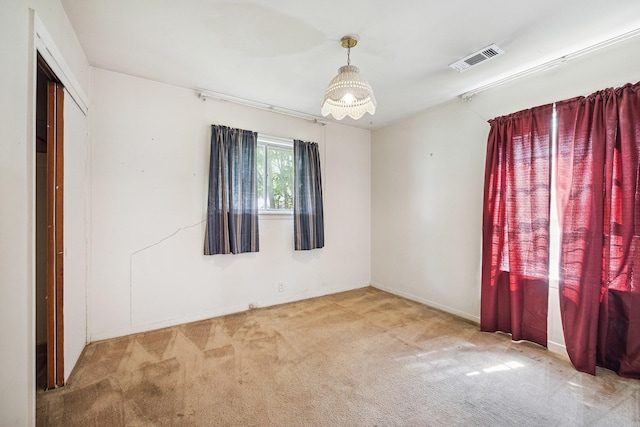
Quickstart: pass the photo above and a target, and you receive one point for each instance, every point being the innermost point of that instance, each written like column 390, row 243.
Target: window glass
column 275, row 174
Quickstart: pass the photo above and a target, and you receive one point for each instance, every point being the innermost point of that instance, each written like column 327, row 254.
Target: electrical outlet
column 253, row 306
column 280, row 287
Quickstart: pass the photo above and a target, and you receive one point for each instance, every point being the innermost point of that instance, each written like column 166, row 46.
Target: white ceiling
column 285, row 52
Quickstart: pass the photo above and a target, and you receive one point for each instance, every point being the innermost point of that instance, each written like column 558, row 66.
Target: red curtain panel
column 515, row 255
column 599, row 210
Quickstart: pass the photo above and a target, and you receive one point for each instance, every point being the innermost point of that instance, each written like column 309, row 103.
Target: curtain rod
column 204, row 95
column 467, row 96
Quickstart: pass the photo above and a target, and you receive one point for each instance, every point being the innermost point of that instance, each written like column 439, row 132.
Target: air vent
column 476, row 58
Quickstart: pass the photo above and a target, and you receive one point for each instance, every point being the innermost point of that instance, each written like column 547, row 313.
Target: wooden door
column 55, row 247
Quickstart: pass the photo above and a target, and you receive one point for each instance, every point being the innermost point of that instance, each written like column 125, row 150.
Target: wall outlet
column 280, row 287
column 253, row 306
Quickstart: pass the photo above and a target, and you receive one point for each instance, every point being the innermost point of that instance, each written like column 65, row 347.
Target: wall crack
column 179, row 230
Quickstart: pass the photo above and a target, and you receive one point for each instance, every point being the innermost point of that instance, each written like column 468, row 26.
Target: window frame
column 554, row 221
column 268, row 141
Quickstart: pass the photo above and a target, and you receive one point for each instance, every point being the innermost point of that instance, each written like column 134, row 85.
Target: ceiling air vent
column 477, row 57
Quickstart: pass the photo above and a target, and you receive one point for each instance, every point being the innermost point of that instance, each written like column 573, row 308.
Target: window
column 275, row 174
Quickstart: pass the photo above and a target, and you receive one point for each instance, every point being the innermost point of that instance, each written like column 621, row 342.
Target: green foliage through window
column 275, row 174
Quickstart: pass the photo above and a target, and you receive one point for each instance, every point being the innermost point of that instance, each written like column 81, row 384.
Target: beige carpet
column 358, row 358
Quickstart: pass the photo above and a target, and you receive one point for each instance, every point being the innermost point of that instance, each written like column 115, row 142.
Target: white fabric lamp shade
column 348, row 93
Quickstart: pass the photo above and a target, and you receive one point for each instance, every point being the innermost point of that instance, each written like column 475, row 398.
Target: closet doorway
column 49, row 229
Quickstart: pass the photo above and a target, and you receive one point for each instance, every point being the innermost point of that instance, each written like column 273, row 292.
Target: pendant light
column 349, row 93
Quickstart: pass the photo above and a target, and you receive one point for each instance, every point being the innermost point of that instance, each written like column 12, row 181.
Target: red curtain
column 599, row 210
column 515, row 233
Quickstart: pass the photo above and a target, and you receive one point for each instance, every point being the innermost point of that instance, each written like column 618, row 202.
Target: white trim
column 557, row 348
column 53, row 57
column 275, row 214
column 427, row 302
column 222, row 311
column 554, row 347
column 275, row 140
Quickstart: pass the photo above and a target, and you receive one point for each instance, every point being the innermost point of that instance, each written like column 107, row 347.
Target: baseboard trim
column 554, row 347
column 467, row 316
column 223, row 311
column 557, row 348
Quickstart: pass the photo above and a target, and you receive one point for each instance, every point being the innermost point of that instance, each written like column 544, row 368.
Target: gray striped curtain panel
column 308, row 228
column 232, row 209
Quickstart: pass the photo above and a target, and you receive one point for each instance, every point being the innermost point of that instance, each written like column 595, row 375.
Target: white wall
column 427, row 188
column 17, row 186
column 17, row 276
column 427, row 184
column 150, row 153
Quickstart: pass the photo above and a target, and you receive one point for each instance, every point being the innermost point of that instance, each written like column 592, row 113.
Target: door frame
column 45, row 52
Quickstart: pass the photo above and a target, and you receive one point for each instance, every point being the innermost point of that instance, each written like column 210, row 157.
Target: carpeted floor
column 358, row 358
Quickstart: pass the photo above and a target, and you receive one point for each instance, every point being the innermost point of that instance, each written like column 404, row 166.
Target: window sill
column 275, row 215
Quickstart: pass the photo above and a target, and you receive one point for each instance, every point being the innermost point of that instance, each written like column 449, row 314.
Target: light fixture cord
column 349, row 54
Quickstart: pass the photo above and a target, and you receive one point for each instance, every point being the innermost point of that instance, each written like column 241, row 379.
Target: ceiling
column 284, row 52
